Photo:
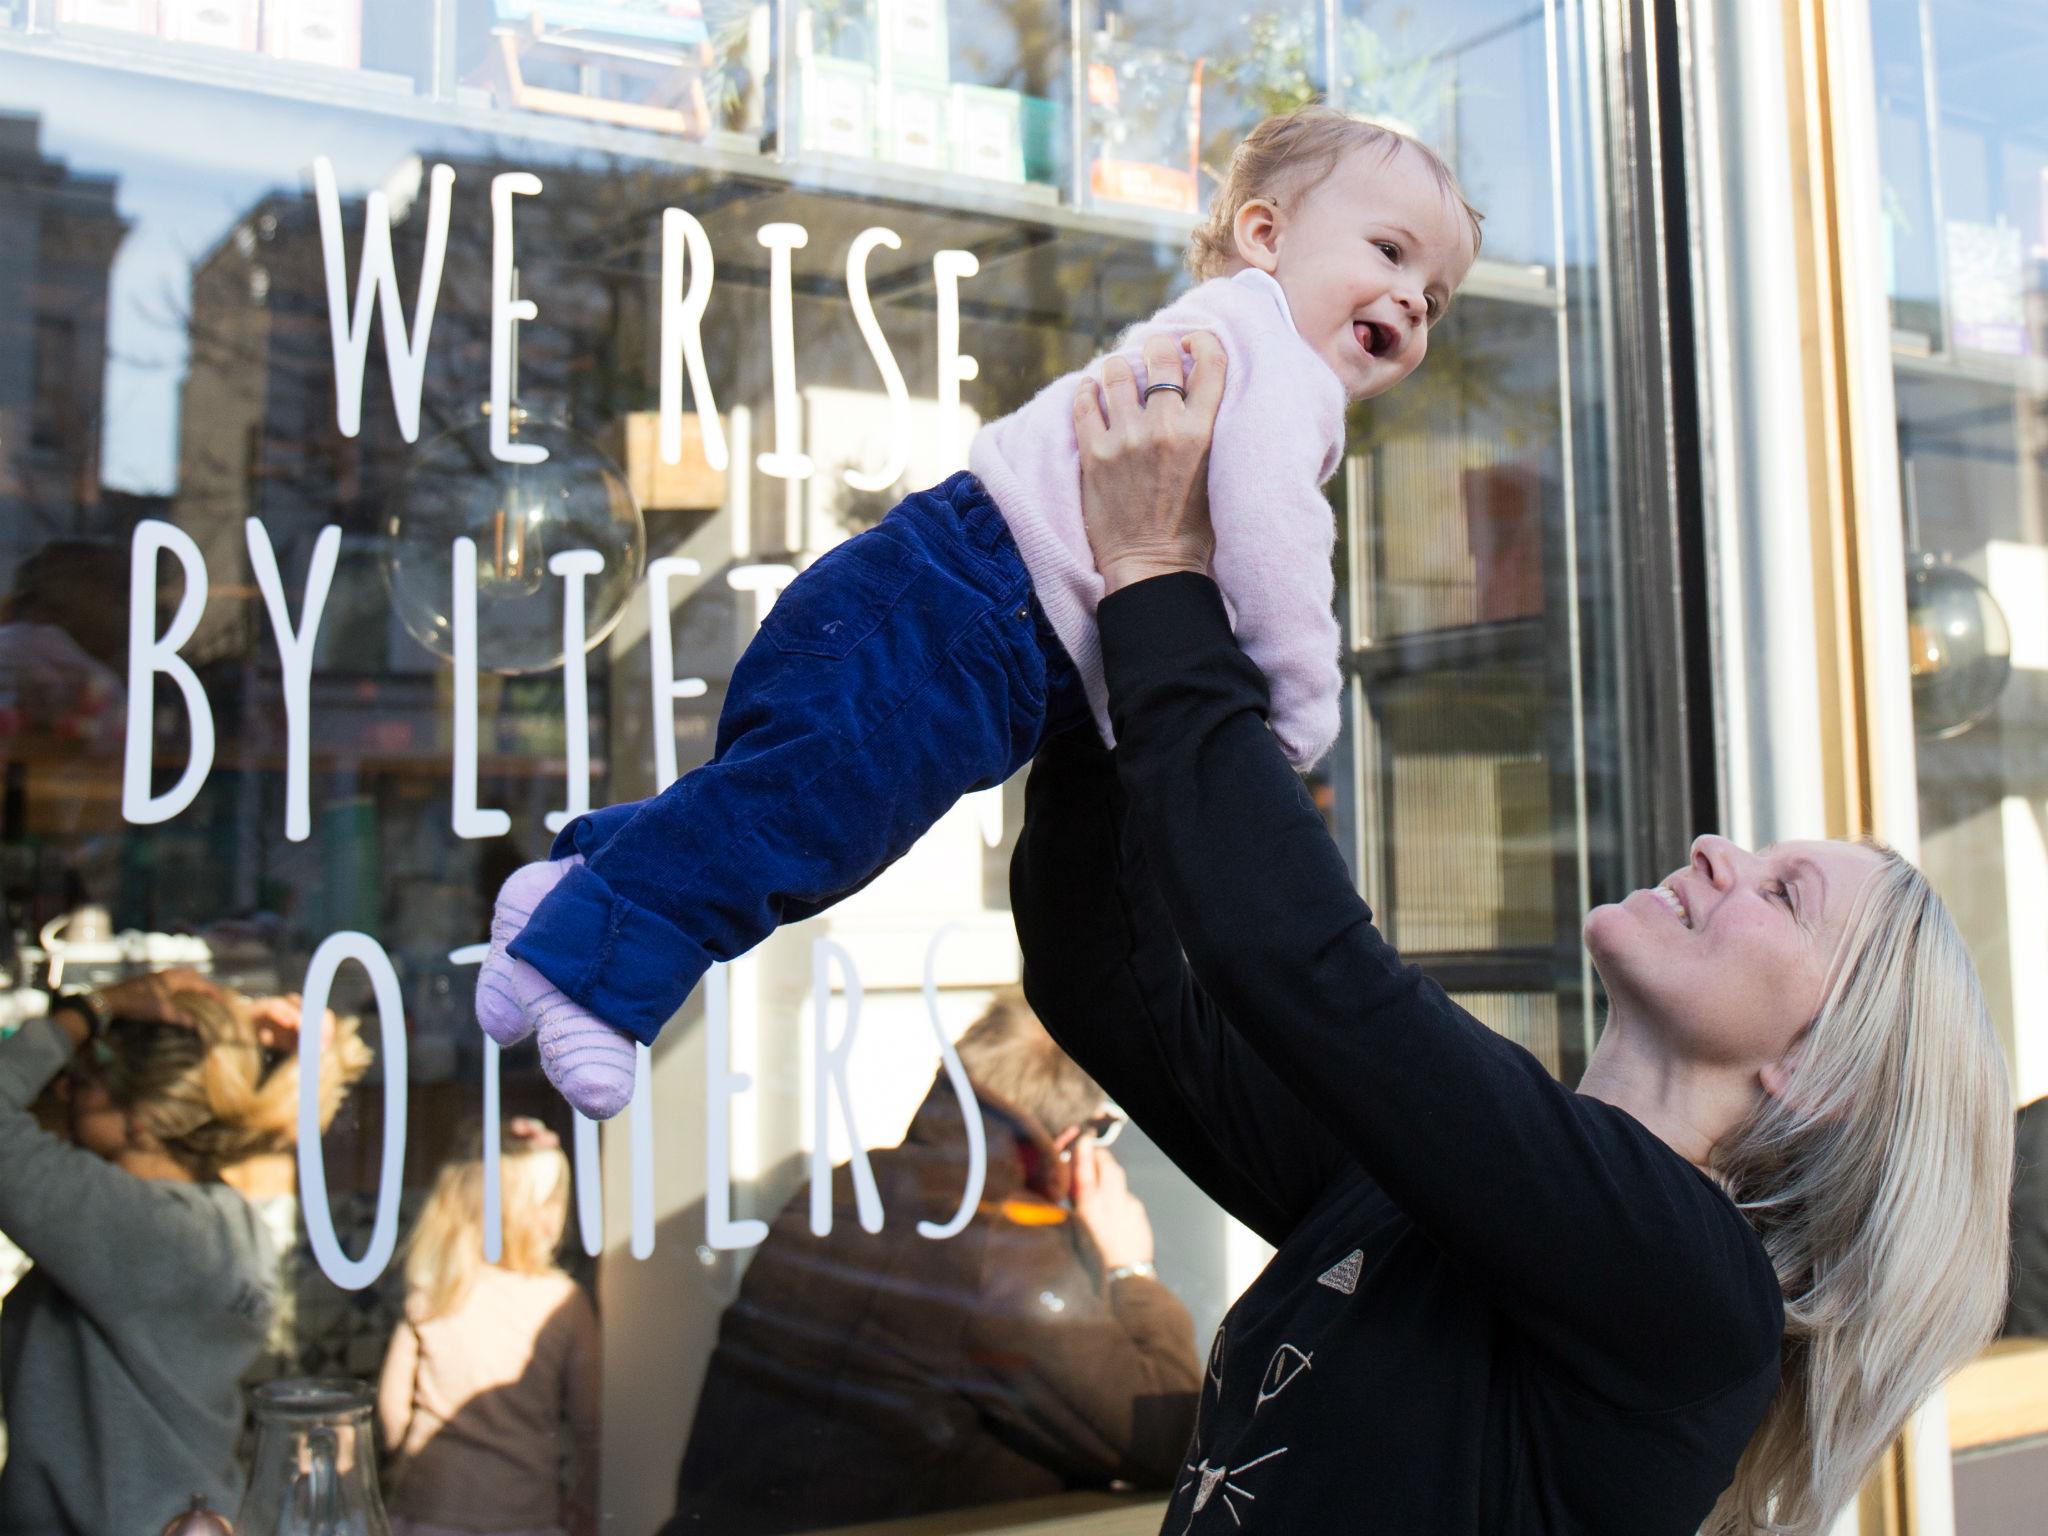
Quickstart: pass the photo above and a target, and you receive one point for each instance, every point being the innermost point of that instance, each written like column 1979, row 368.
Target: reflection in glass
column 1963, row 161
column 518, row 516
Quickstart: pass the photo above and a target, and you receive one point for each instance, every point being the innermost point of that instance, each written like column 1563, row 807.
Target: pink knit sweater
column 1278, row 437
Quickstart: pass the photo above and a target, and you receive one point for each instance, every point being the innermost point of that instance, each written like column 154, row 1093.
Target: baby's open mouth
column 1377, row 338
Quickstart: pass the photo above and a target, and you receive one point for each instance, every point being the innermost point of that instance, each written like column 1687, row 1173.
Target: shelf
column 1511, row 644
column 2022, row 374
column 1502, row 970
column 721, row 154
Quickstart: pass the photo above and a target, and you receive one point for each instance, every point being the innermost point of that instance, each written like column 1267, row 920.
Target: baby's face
column 1368, row 260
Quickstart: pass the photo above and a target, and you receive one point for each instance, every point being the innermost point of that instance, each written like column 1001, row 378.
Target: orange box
column 1144, row 184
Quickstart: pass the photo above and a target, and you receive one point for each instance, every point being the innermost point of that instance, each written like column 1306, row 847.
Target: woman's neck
column 154, row 1164
column 1686, row 1105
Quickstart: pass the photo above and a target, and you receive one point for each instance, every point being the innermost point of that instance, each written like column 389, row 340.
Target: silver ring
column 1153, row 389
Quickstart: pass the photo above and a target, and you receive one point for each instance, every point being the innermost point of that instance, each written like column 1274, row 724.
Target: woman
column 123, row 1349
column 1707, row 1287
column 493, row 1366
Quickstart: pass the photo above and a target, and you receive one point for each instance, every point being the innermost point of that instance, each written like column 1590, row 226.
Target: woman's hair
column 1287, row 157
column 207, row 1091
column 446, row 1248
column 1008, row 1054
column 1878, row 1181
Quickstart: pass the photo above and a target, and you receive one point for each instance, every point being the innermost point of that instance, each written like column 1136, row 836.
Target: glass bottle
column 315, row 1471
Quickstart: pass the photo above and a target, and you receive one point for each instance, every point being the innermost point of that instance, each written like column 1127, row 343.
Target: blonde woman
column 122, row 1350
column 493, row 1363
column 1706, row 1288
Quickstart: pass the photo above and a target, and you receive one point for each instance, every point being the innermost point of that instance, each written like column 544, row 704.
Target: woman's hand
column 1145, row 465
column 1103, row 1203
column 277, row 1019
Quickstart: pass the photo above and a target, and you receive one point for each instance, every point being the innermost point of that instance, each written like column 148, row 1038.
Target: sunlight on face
column 1730, row 957
column 1368, row 260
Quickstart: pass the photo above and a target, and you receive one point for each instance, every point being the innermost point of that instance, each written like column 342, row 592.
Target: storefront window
column 1964, row 157
column 234, row 410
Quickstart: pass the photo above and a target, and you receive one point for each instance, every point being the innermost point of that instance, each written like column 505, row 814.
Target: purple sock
column 587, row 1060
column 497, row 1005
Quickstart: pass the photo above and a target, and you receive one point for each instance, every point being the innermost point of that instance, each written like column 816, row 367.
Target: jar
column 315, row 1470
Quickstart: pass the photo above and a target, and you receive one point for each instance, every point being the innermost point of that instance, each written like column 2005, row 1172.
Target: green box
column 988, row 132
column 838, row 107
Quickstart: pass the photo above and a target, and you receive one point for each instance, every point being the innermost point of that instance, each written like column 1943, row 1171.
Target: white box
column 216, row 23
column 839, row 107
column 117, row 15
column 315, row 31
column 912, row 40
column 917, row 126
column 988, row 132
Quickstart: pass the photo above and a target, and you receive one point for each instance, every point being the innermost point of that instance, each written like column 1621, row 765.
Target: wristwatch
column 88, row 1004
column 1122, row 1271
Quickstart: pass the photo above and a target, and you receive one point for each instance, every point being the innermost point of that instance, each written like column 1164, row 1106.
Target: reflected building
column 59, row 232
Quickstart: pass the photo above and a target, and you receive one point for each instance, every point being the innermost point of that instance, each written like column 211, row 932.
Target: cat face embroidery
column 1210, row 1481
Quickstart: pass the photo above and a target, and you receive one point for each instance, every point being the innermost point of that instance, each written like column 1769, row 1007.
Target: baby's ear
column 1256, row 234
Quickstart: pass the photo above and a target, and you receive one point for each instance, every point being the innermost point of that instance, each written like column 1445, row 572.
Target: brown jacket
column 864, row 1377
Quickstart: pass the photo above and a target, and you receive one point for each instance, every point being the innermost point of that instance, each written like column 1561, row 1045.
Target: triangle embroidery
column 1343, row 1275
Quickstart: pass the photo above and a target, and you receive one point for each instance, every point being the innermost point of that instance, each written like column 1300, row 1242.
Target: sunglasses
column 1104, row 1128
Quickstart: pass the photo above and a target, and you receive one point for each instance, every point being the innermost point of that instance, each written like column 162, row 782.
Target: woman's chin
column 1603, row 926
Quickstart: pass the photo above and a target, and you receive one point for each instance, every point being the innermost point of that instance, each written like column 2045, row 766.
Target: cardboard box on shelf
column 687, row 485
column 678, row 22
column 988, row 137
column 911, row 40
column 315, row 31
column 917, row 126
column 216, row 23
column 116, row 15
column 838, row 115
column 1145, row 112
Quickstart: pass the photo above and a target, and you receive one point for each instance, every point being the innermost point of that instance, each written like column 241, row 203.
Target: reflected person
column 493, row 1366
column 872, row 1376
column 122, row 1350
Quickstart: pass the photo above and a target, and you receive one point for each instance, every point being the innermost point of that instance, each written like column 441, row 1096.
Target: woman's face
column 98, row 1124
column 1729, row 958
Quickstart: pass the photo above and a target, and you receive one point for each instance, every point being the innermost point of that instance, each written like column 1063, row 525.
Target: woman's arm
column 1577, row 1221
column 582, row 1408
column 395, row 1386
column 1103, row 969
column 77, row 1216
column 1601, row 1242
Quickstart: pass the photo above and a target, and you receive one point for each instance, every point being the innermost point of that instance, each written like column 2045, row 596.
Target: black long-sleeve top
column 1497, row 1306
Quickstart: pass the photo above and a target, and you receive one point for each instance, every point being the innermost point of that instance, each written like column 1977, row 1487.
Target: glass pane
column 1481, row 513
column 187, row 370
column 1963, row 151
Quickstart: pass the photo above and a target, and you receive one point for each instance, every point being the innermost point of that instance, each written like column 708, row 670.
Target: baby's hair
column 1287, row 157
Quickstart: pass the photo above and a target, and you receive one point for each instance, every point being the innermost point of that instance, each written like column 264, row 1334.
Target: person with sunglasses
column 869, row 1376
column 153, row 1284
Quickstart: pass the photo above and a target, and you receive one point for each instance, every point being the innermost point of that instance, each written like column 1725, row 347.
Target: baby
column 929, row 656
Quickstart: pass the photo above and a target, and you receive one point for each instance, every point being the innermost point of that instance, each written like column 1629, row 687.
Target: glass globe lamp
column 517, row 516
column 1958, row 644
